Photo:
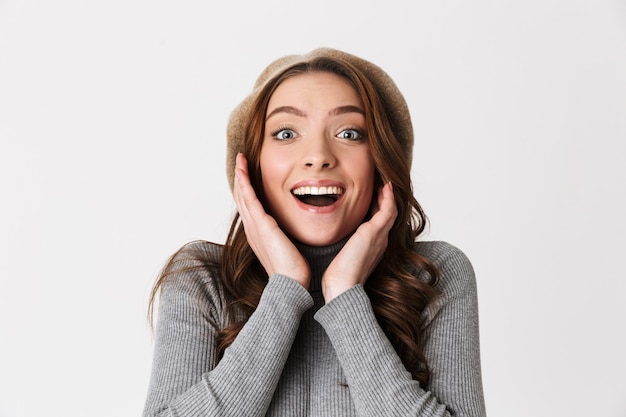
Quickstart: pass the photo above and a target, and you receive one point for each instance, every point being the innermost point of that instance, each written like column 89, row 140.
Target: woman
column 321, row 302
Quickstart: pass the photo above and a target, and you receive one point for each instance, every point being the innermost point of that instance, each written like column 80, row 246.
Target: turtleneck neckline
column 319, row 257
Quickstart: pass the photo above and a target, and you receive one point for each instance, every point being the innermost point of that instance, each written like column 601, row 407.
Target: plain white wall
column 112, row 122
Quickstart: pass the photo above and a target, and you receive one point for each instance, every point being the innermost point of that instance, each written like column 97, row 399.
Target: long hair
column 398, row 298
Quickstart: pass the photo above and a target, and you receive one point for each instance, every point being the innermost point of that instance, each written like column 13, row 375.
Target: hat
column 391, row 98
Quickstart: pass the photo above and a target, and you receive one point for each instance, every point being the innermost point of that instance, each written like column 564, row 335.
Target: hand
column 364, row 250
column 275, row 251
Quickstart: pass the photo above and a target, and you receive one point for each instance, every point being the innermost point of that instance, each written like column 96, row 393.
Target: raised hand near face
column 275, row 251
column 364, row 250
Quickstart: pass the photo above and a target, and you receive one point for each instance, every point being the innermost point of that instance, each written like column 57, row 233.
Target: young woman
column 321, row 302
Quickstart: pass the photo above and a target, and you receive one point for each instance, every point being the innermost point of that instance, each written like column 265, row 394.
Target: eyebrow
column 286, row 109
column 334, row 112
column 346, row 109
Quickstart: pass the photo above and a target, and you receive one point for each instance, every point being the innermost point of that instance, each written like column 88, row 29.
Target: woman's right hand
column 275, row 251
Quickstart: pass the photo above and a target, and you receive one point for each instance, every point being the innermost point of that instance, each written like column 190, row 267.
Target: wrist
column 331, row 292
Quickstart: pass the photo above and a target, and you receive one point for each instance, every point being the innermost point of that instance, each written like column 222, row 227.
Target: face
column 316, row 166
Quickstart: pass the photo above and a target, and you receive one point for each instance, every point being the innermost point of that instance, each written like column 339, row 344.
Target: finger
column 246, row 196
column 241, row 179
column 248, row 204
column 387, row 212
column 238, row 175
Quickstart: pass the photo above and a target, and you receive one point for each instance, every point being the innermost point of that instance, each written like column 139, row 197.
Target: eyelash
column 360, row 133
column 279, row 129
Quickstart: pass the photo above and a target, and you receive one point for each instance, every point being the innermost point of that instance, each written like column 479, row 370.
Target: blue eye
column 350, row 134
column 284, row 134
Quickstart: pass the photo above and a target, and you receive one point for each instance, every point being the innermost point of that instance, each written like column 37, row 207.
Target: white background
column 112, row 129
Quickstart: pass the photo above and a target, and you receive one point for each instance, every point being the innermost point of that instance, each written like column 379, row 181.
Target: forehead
column 314, row 87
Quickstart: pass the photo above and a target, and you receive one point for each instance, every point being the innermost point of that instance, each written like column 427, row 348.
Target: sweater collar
column 319, row 257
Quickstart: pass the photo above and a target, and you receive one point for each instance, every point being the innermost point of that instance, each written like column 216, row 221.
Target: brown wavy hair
column 398, row 298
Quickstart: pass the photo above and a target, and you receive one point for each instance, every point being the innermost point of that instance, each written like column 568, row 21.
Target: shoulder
column 199, row 251
column 196, row 255
column 190, row 292
column 194, row 270
column 456, row 273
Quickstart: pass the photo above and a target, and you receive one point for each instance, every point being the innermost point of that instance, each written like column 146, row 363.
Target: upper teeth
column 317, row 190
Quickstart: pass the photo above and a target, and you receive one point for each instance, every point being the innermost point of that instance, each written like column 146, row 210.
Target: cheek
column 365, row 178
column 273, row 172
column 366, row 170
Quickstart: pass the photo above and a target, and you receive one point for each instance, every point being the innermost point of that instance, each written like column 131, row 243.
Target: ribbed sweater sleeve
column 379, row 383
column 184, row 382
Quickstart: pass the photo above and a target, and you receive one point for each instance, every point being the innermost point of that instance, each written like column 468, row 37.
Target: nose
column 319, row 154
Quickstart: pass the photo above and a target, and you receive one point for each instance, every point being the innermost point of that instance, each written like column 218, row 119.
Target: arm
column 183, row 381
column 379, row 383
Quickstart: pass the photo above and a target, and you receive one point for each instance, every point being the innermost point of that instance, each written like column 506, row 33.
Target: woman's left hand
column 364, row 250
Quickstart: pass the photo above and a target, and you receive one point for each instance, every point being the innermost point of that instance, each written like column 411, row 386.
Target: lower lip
column 319, row 209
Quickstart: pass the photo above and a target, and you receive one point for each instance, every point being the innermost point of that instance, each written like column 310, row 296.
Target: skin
column 312, row 137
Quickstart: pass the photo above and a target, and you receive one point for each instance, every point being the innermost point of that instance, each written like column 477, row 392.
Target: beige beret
column 390, row 95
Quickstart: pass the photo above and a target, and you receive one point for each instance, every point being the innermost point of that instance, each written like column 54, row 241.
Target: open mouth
column 318, row 196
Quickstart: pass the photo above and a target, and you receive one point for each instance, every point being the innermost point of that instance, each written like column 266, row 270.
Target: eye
column 351, row 134
column 284, row 134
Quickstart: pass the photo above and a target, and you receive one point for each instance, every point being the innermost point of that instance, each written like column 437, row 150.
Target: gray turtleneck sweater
column 296, row 356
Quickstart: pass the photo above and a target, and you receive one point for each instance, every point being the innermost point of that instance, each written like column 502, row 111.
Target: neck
column 319, row 257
